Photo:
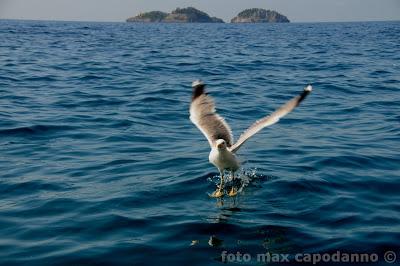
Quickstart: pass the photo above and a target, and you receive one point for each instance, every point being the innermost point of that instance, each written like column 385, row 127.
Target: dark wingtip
column 307, row 90
column 198, row 89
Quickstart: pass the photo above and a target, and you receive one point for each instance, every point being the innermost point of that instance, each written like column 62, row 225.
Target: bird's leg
column 233, row 191
column 232, row 176
column 220, row 190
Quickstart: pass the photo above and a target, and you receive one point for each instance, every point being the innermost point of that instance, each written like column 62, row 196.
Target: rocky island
column 153, row 16
column 179, row 15
column 259, row 15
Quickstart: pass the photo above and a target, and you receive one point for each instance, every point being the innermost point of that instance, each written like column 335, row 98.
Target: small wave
column 91, row 77
column 33, row 130
column 160, row 100
column 91, row 103
column 379, row 73
column 29, row 187
column 356, row 161
column 41, row 78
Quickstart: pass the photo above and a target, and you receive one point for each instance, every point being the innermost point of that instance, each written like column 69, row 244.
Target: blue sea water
column 100, row 164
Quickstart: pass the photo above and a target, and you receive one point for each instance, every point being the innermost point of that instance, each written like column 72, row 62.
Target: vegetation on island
column 259, row 15
column 179, row 15
column 193, row 15
column 153, row 16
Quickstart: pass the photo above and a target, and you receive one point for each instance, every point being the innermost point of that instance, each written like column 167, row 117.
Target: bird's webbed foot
column 219, row 192
column 233, row 192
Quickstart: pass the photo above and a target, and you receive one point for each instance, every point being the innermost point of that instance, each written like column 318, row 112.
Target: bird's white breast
column 223, row 159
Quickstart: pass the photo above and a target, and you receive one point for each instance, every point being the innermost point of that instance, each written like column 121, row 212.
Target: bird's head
column 221, row 144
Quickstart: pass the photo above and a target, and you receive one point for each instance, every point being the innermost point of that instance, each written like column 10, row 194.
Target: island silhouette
column 193, row 15
column 179, row 15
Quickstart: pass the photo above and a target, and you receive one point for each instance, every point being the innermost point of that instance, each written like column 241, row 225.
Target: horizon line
column 225, row 22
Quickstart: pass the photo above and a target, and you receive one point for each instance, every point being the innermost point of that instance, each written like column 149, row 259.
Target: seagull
column 219, row 134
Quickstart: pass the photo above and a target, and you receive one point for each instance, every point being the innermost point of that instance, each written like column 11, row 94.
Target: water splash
column 243, row 179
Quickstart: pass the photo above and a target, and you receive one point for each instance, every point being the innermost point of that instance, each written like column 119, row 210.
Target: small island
column 259, row 15
column 153, row 16
column 179, row 15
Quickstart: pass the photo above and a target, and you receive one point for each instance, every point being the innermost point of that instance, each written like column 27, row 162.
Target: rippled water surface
column 100, row 164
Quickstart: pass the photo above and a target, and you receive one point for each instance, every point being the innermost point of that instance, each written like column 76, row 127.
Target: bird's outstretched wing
column 204, row 116
column 271, row 119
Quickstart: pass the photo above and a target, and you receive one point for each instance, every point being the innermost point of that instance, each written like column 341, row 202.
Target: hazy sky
column 119, row 10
